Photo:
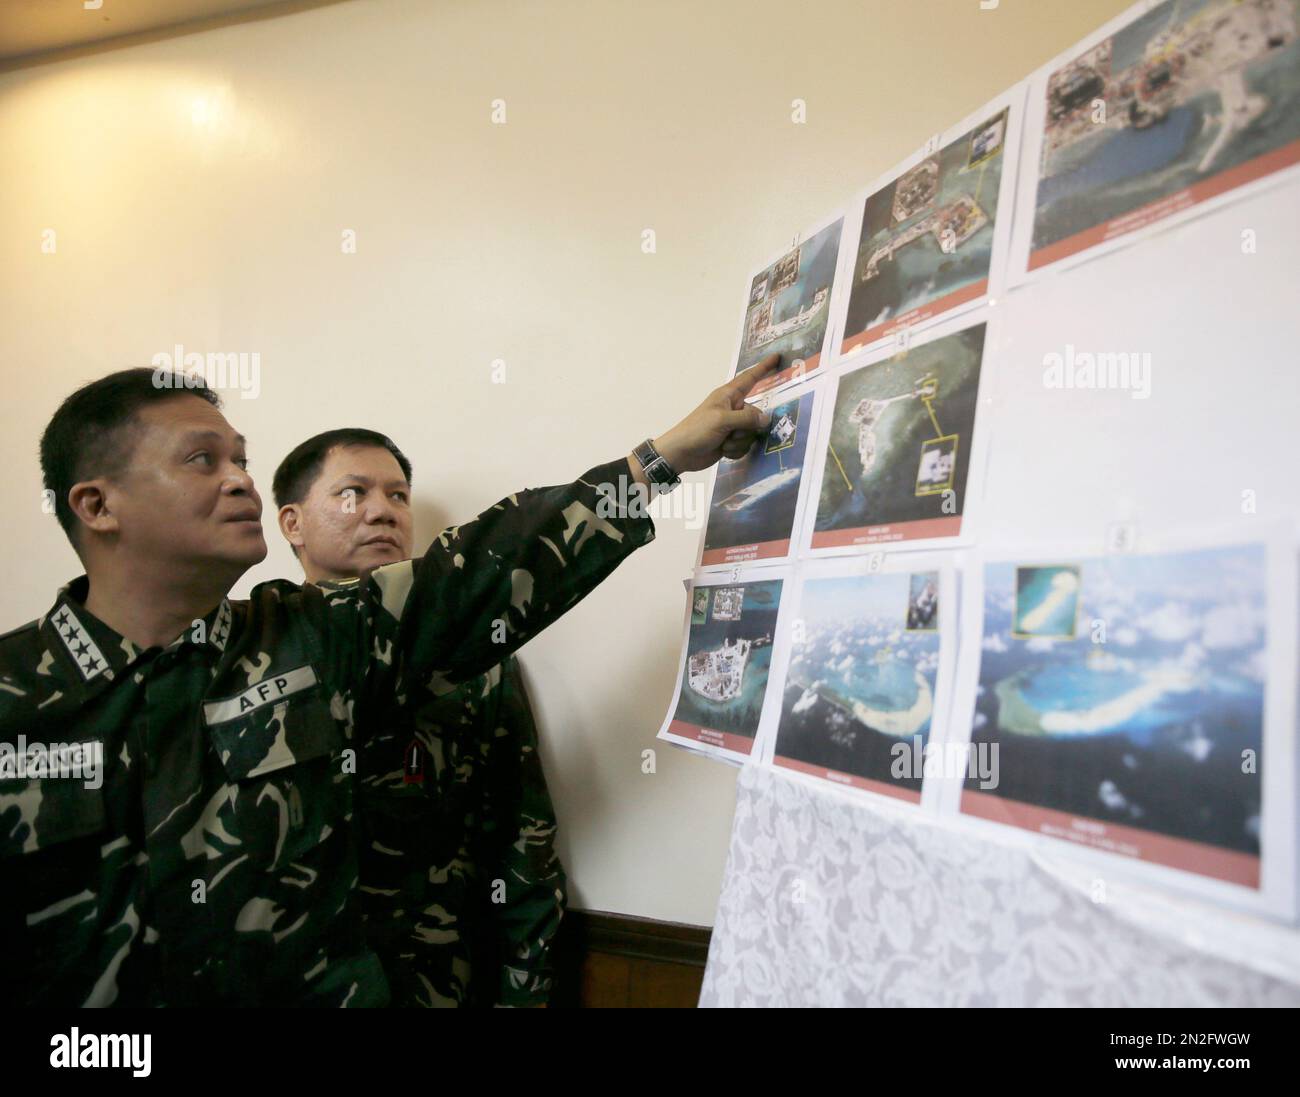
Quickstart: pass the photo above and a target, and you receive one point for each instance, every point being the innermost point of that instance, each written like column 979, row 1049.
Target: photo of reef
column 728, row 658
column 1151, row 715
column 1186, row 92
column 789, row 303
column 754, row 499
column 929, row 233
column 886, row 419
column 862, row 681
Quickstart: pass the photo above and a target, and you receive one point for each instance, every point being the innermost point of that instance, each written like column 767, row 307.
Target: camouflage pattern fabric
column 462, row 888
column 219, row 861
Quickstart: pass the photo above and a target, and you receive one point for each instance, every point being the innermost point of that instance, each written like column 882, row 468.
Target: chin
column 250, row 559
column 376, row 556
column 247, row 555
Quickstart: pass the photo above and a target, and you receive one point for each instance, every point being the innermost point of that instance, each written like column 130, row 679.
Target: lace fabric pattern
column 827, row 902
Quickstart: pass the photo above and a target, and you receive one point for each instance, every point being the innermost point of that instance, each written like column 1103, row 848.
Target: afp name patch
column 269, row 691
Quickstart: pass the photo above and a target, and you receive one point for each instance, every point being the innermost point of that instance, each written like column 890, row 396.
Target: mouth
column 248, row 517
column 383, row 539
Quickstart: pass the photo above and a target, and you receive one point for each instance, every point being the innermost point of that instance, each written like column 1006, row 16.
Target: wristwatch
column 663, row 478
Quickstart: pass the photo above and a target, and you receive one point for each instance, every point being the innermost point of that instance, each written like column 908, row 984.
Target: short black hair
column 298, row 471
column 90, row 435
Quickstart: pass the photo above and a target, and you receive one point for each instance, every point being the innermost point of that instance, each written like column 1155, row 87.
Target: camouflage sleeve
column 526, row 905
column 486, row 587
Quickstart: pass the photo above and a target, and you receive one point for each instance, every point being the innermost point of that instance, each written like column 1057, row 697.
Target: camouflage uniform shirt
column 218, row 862
column 462, row 888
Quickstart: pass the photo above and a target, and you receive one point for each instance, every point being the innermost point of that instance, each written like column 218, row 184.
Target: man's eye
column 242, row 462
column 353, row 491
column 400, row 495
column 202, row 457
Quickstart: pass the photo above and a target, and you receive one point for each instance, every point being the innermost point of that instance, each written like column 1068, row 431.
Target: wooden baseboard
column 607, row 960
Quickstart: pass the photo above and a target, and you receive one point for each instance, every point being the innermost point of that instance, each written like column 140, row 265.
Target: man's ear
column 89, row 502
column 290, row 519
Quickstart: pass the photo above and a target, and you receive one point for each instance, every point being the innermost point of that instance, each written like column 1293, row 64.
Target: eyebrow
column 367, row 481
column 190, row 437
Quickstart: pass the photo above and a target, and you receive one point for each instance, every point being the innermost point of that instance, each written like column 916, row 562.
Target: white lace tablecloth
column 832, row 902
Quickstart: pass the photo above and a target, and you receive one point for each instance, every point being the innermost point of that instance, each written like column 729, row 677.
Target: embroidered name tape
column 266, row 692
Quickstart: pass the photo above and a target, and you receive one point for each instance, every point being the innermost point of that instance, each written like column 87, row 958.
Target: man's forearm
column 486, row 587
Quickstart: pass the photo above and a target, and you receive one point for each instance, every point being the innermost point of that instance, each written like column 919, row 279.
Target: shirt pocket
column 404, row 834
column 54, row 857
column 293, row 783
column 42, row 812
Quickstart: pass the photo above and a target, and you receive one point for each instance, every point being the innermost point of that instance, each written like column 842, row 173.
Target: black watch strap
column 662, row 476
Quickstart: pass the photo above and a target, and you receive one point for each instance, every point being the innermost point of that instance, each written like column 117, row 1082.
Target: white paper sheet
column 866, row 681
column 937, row 228
column 789, row 305
column 1138, row 709
column 756, row 504
column 904, row 446
column 735, row 630
column 1169, row 110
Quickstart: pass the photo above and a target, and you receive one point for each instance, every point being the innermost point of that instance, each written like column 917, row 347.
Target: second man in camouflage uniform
column 461, row 887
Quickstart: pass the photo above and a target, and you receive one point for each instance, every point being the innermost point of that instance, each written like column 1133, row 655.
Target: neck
column 315, row 573
column 150, row 613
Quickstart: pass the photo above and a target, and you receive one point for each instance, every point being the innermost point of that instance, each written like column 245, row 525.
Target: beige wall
column 199, row 186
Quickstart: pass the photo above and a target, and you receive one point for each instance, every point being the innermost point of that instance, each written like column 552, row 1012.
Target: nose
column 239, row 481
column 379, row 509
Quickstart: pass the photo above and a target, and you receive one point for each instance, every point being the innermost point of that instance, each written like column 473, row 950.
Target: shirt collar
column 98, row 652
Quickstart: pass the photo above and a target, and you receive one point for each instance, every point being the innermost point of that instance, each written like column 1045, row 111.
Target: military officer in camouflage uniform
column 214, row 857
column 461, row 887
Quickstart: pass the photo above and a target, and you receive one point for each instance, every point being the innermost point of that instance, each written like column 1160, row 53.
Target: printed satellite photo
column 789, row 308
column 862, row 681
column 900, row 444
column 927, row 238
column 728, row 657
column 1127, row 690
column 1193, row 98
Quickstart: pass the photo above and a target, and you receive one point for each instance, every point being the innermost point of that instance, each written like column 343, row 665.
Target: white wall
column 199, row 187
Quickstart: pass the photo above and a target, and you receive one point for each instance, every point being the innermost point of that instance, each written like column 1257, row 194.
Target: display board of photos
column 1131, row 709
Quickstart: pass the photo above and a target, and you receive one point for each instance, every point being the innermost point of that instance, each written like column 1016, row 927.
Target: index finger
column 747, row 379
